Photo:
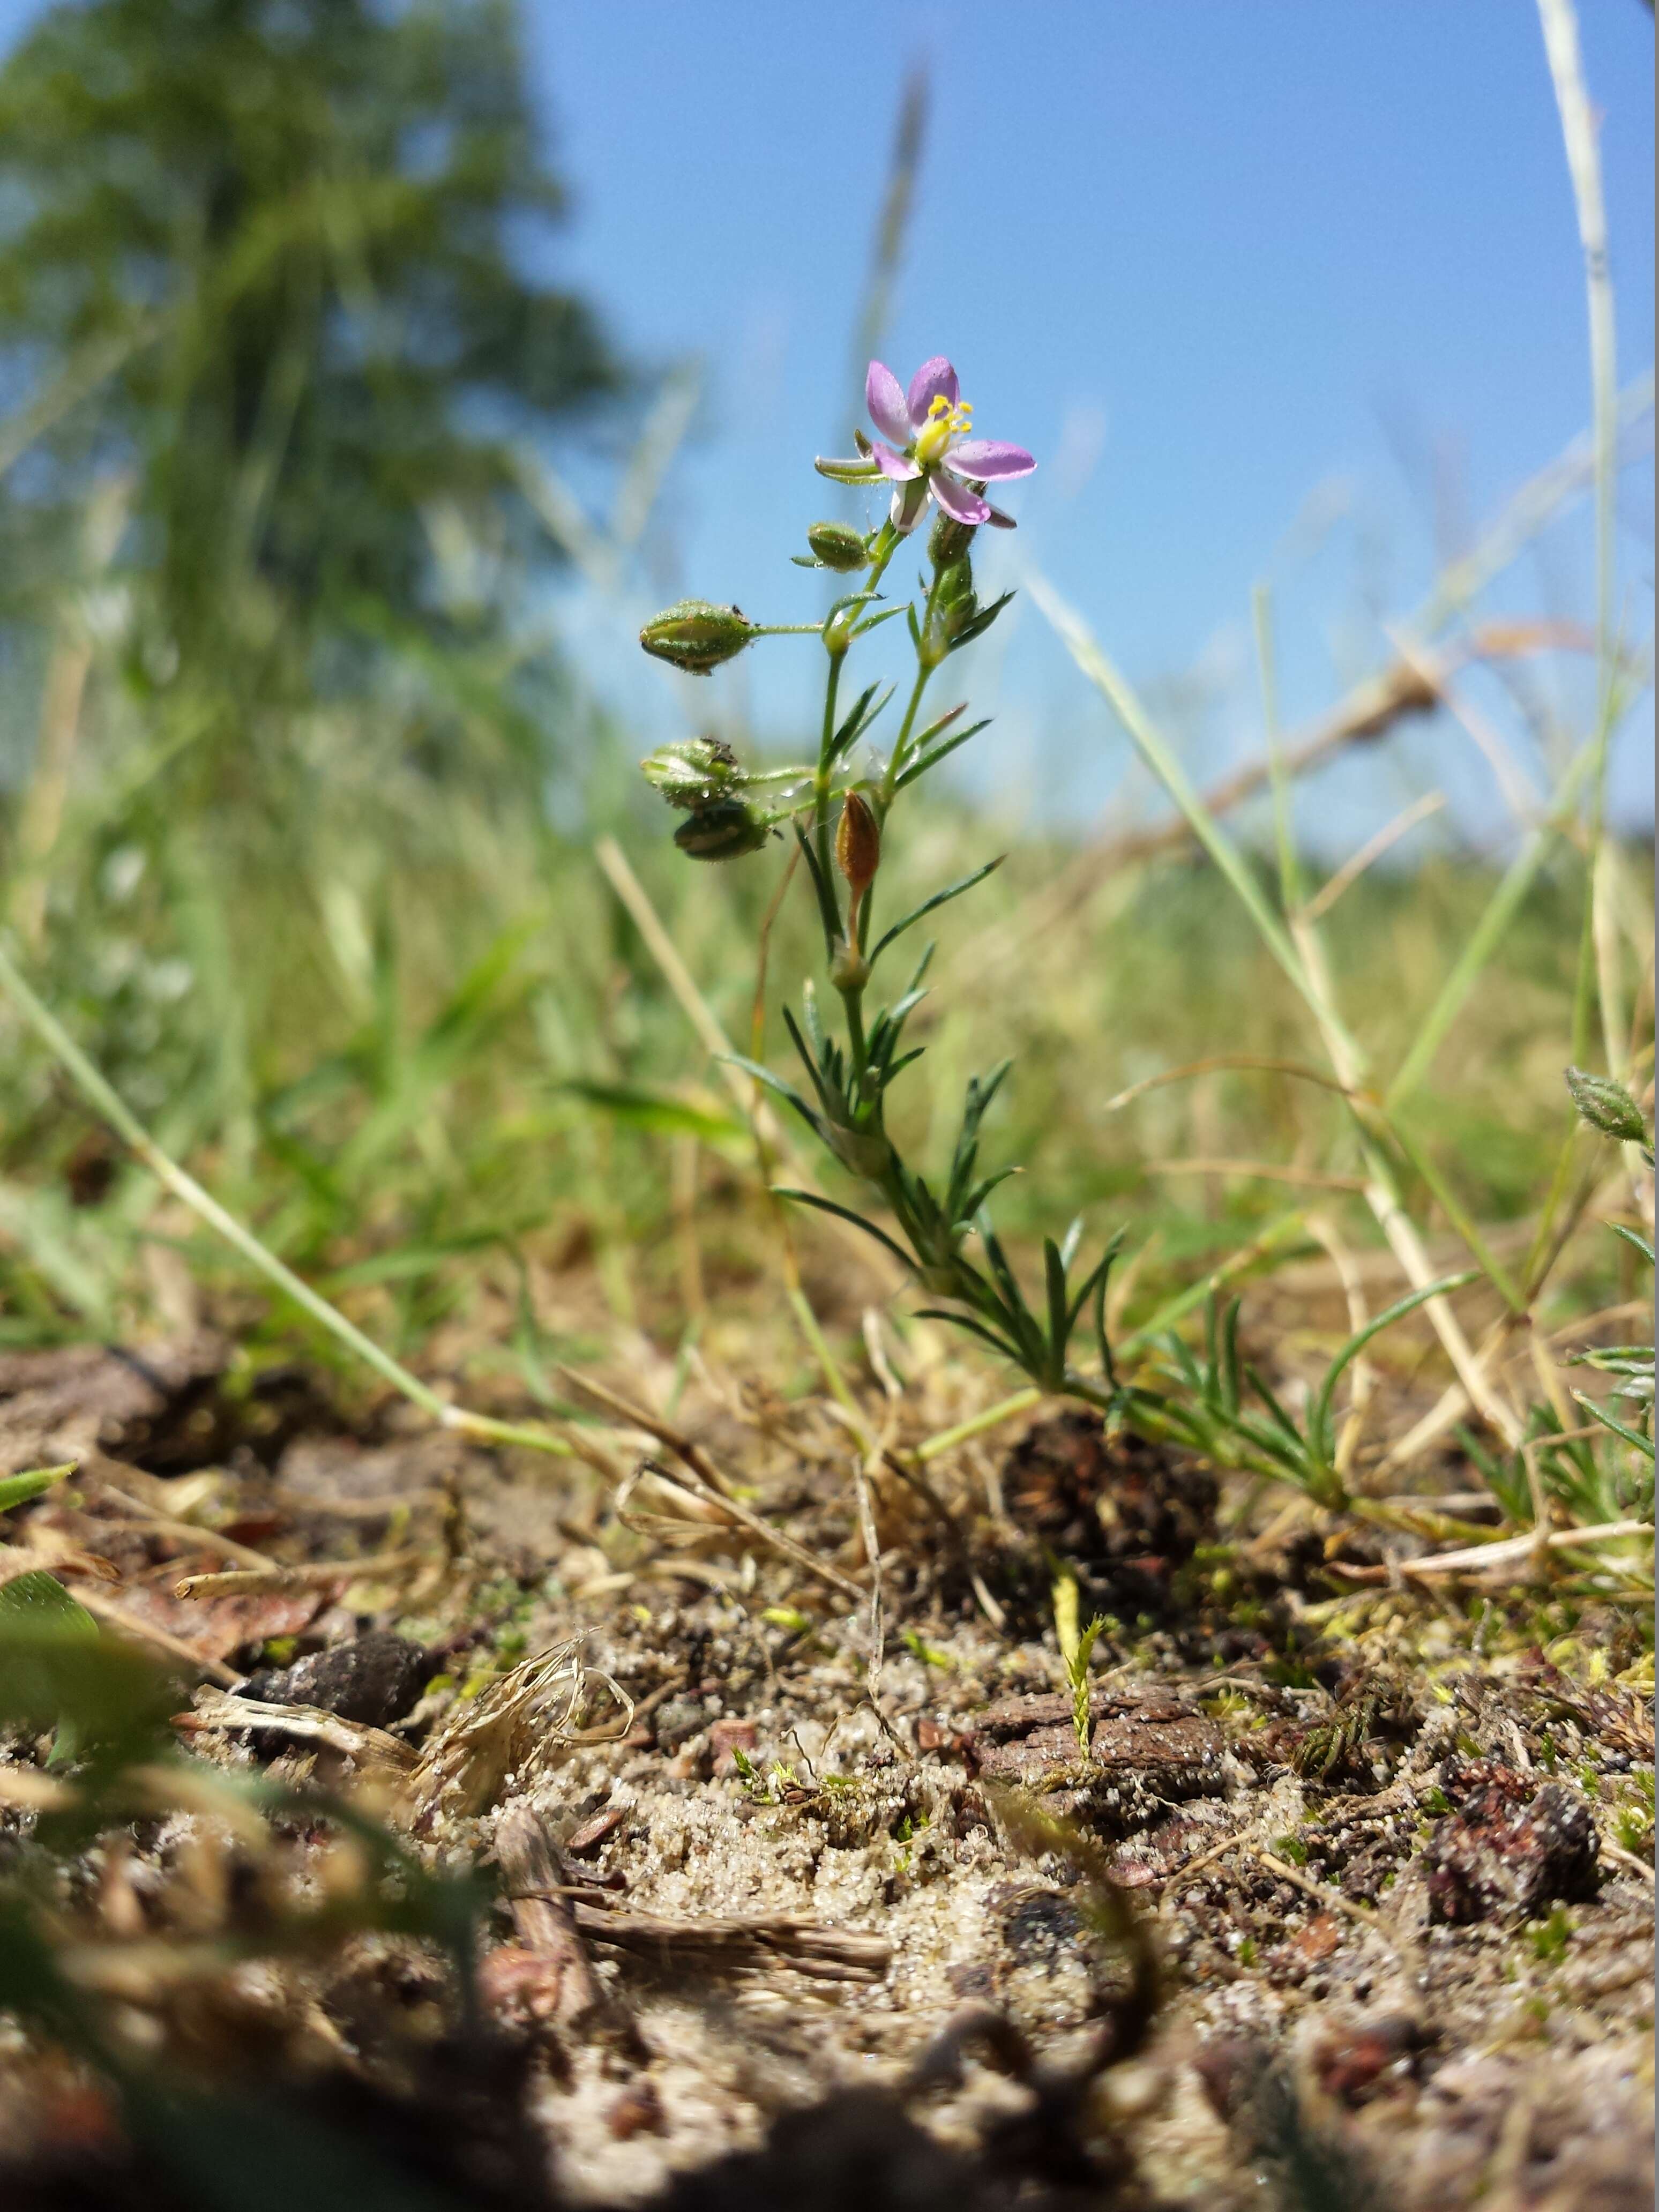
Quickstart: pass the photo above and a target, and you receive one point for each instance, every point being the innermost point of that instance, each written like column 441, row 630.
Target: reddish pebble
column 637, row 2111
column 726, row 1737
column 1317, row 1939
column 591, row 1834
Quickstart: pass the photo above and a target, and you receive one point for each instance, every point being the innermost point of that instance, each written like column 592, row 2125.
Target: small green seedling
column 1076, row 1649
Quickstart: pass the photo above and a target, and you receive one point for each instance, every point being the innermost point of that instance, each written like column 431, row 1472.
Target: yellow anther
column 946, row 422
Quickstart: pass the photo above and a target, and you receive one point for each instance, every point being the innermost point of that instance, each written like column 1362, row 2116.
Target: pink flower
column 928, row 453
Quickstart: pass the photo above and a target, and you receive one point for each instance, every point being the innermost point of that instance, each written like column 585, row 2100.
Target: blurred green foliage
column 266, row 284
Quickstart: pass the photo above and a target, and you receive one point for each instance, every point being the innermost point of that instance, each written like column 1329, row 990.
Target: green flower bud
column 725, row 831
column 693, row 774
column 838, row 545
column 1607, row 1106
column 947, row 540
column 697, row 636
column 957, row 602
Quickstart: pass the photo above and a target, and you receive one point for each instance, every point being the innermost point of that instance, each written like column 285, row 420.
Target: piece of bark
column 829, row 1954
column 1030, row 1739
column 533, row 1881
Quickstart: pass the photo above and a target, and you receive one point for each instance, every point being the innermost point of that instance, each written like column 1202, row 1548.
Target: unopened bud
column 694, row 773
column 696, row 636
column 838, row 545
column 858, row 844
column 725, row 831
column 1607, row 1106
column 948, row 540
column 957, row 601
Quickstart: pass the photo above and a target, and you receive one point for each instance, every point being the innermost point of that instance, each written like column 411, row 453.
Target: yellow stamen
column 944, row 424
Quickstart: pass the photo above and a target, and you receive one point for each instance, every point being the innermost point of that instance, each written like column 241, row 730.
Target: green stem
column 925, row 664
column 853, row 1000
column 1005, row 1410
column 821, row 784
column 886, row 546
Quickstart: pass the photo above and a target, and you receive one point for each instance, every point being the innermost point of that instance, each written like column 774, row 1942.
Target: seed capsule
column 725, row 831
column 694, row 773
column 697, row 636
column 838, row 545
column 858, row 844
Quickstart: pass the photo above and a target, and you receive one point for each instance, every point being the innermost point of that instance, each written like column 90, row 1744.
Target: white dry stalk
column 1520, row 1551
column 1580, row 138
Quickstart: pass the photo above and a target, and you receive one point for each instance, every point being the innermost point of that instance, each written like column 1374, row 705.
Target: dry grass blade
column 518, row 1724
column 369, row 1746
column 316, row 1574
column 1386, row 838
column 1513, row 1557
column 1370, row 709
column 707, row 1484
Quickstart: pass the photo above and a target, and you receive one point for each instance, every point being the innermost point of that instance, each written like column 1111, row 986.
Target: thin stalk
column 1300, row 956
column 1290, row 872
column 993, row 1416
column 105, row 1100
column 924, row 666
column 1488, row 932
column 800, row 1306
column 887, row 544
column 1561, row 42
column 1491, row 1266
column 821, row 784
column 1153, row 748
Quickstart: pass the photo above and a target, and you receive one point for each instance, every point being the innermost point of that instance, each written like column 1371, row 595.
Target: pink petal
column 958, row 502
column 894, row 465
column 988, row 457
column 909, row 503
column 885, row 397
column 934, row 380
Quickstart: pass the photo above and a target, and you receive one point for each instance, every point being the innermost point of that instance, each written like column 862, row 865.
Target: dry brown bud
column 858, row 844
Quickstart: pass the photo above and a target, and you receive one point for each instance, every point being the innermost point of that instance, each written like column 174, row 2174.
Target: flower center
column 943, row 426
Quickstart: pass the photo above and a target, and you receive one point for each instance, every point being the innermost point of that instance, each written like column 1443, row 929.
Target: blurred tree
column 265, row 261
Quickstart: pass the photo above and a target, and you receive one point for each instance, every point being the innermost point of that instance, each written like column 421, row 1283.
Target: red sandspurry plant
column 841, row 810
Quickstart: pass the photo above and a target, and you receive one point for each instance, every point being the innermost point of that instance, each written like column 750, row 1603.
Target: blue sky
column 1247, row 279
column 1274, row 289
